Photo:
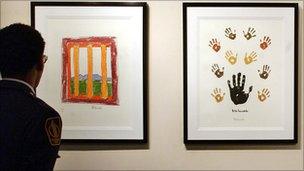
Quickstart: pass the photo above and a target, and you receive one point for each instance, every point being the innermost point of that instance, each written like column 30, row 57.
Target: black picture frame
column 186, row 31
column 144, row 6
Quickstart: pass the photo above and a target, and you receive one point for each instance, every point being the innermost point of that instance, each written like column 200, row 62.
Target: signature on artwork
column 96, row 107
column 238, row 119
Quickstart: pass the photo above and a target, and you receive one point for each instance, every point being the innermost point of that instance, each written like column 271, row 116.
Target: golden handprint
column 215, row 45
column 218, row 95
column 232, row 58
column 217, row 71
column 265, row 72
column 265, row 42
column 250, row 58
column 250, row 33
column 263, row 95
column 231, row 35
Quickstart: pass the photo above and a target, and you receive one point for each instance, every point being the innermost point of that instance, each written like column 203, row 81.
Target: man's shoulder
column 25, row 105
column 49, row 111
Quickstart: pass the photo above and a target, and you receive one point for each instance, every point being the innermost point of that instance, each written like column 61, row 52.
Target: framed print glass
column 240, row 72
column 96, row 74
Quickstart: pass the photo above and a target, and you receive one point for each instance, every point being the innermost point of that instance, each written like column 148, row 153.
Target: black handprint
column 237, row 93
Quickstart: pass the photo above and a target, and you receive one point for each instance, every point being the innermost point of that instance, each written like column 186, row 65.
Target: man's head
column 21, row 52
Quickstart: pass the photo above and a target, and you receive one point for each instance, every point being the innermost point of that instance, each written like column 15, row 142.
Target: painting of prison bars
column 89, row 70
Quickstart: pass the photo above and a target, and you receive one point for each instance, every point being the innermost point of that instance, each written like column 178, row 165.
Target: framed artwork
column 240, row 72
column 96, row 73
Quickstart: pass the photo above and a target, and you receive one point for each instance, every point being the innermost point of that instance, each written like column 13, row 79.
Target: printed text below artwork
column 89, row 70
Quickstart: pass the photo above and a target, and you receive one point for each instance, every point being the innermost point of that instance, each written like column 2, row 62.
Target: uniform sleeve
column 53, row 127
column 44, row 143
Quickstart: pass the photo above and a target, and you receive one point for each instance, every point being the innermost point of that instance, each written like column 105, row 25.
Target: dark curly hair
column 21, row 48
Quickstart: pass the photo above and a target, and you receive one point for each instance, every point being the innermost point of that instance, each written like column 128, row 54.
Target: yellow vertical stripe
column 104, row 86
column 76, row 70
column 90, row 72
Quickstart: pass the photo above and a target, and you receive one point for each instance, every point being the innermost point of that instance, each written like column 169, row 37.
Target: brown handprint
column 262, row 96
column 217, row 71
column 231, row 35
column 265, row 72
column 265, row 42
column 218, row 95
column 250, row 58
column 231, row 57
column 215, row 45
column 250, row 33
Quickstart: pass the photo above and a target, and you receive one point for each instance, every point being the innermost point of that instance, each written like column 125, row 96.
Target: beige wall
column 166, row 149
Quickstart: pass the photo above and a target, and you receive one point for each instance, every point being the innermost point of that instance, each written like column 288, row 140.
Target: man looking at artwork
column 30, row 130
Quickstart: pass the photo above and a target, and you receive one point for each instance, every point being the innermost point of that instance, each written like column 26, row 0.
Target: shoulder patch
column 53, row 130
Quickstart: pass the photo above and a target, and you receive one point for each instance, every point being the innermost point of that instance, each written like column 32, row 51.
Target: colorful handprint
column 263, row 95
column 264, row 73
column 250, row 58
column 230, row 34
column 265, row 42
column 215, row 45
column 231, row 57
column 217, row 71
column 218, row 95
column 250, row 33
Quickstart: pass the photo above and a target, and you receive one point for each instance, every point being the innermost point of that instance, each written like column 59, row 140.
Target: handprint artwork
column 237, row 85
column 237, row 93
column 231, row 35
column 264, row 73
column 263, row 95
column 239, row 72
column 231, row 57
column 250, row 58
column 215, row 45
column 265, row 42
column 217, row 71
column 218, row 95
column 250, row 33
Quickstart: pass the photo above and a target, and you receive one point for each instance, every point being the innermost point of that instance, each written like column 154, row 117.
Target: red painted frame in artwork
column 67, row 44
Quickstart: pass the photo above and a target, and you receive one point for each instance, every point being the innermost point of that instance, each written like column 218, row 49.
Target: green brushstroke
column 96, row 88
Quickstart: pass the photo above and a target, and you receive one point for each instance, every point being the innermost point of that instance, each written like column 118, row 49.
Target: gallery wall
column 166, row 150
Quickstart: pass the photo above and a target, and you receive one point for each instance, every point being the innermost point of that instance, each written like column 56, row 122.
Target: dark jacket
column 30, row 130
